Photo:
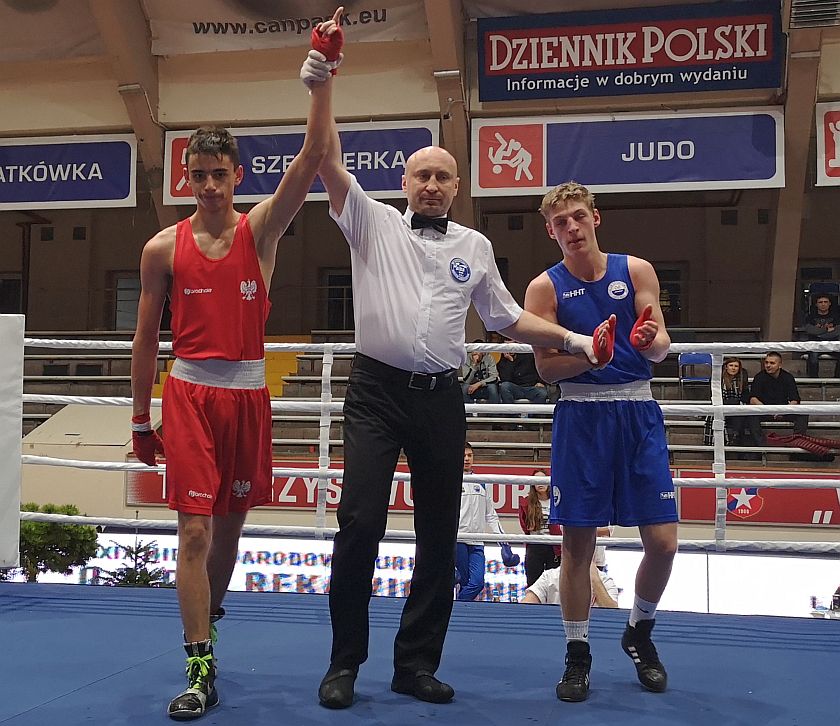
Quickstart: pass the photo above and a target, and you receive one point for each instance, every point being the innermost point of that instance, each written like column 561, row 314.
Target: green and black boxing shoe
column 200, row 695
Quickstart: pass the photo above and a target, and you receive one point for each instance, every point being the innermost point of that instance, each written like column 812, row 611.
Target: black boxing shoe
column 575, row 684
column 637, row 644
column 423, row 686
column 336, row 689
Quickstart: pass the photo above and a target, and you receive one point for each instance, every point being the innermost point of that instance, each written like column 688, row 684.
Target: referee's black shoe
column 637, row 644
column 575, row 683
column 336, row 689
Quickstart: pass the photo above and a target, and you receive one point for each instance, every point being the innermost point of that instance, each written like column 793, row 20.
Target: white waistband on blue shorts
column 633, row 391
column 221, row 373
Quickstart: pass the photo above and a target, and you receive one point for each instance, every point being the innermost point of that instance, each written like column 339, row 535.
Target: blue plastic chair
column 695, row 368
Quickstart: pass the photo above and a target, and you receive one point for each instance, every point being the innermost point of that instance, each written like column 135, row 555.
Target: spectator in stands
column 822, row 324
column 774, row 386
column 533, row 518
column 519, row 379
column 735, row 390
column 478, row 516
column 546, row 590
column 481, row 377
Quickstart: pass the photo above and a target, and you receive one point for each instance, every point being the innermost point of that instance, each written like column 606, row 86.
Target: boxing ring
column 113, row 655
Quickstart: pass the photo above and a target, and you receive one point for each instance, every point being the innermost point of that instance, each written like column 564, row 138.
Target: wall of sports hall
column 739, row 258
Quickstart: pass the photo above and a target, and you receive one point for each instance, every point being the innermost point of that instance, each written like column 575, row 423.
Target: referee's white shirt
column 412, row 288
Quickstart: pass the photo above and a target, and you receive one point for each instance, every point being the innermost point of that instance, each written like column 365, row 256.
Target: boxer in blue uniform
column 609, row 459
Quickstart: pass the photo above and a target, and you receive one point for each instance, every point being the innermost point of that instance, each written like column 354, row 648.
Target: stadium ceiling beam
column 445, row 20
column 125, row 33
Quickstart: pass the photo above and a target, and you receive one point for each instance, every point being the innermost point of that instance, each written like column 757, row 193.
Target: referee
column 414, row 277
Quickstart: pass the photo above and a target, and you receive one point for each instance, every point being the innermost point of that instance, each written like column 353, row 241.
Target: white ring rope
column 509, row 479
column 326, row 406
column 723, row 348
column 547, row 410
column 397, row 535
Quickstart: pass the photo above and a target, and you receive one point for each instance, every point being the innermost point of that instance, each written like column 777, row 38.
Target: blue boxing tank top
column 581, row 306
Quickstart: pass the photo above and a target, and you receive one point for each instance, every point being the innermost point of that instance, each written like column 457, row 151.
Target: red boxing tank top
column 219, row 307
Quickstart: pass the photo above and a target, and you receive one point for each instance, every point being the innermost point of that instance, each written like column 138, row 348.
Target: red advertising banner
column 754, row 505
column 828, row 144
column 146, row 489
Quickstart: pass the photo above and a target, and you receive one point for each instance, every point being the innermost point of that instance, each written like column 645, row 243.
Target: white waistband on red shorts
column 633, row 391
column 221, row 373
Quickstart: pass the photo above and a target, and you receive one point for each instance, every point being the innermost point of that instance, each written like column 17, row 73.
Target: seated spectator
column 533, row 518
column 735, row 390
column 546, row 590
column 481, row 377
column 772, row 387
column 519, row 378
column 822, row 324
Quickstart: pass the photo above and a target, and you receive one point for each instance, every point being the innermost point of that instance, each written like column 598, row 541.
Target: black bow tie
column 419, row 221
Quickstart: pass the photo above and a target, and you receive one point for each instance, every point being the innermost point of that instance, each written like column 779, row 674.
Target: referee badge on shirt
column 617, row 289
column 459, row 269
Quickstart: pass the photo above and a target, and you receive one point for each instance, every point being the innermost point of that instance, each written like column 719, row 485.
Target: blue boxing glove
column 509, row 559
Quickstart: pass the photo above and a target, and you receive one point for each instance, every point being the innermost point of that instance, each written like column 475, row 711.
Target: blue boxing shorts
column 609, row 458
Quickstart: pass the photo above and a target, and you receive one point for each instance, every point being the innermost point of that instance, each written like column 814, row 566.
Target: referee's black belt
column 413, row 380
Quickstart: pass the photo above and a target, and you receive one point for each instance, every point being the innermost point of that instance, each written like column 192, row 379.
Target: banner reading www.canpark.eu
column 374, row 153
column 728, row 149
column 211, row 26
column 675, row 49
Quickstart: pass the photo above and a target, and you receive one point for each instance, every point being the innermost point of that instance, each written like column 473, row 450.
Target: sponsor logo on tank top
column 558, row 495
column 248, row 288
column 241, row 488
column 666, row 495
column 569, row 294
column 617, row 290
column 199, row 495
column 197, row 290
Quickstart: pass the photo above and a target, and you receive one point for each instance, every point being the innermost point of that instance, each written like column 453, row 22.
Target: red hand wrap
column 330, row 45
column 604, row 353
column 635, row 338
column 146, row 444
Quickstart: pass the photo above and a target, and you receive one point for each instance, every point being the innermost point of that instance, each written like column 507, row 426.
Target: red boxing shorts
column 218, row 447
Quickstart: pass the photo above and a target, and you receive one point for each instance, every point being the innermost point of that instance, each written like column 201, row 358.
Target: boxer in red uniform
column 216, row 266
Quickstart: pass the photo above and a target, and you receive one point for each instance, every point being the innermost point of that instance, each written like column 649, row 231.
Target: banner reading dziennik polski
column 676, row 49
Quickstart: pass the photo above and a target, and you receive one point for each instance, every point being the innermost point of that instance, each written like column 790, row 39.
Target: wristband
column 141, row 424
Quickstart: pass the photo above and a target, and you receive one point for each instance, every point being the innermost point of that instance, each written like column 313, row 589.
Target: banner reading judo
column 374, row 153
column 732, row 149
column 675, row 49
column 68, row 172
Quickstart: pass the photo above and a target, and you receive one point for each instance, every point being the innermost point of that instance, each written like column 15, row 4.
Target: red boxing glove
column 330, row 45
column 145, row 441
column 636, row 337
column 603, row 350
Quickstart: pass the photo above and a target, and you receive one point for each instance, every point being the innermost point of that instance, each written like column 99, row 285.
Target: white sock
column 576, row 630
column 642, row 610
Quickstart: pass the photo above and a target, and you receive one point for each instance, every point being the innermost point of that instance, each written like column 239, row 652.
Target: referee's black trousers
column 382, row 415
